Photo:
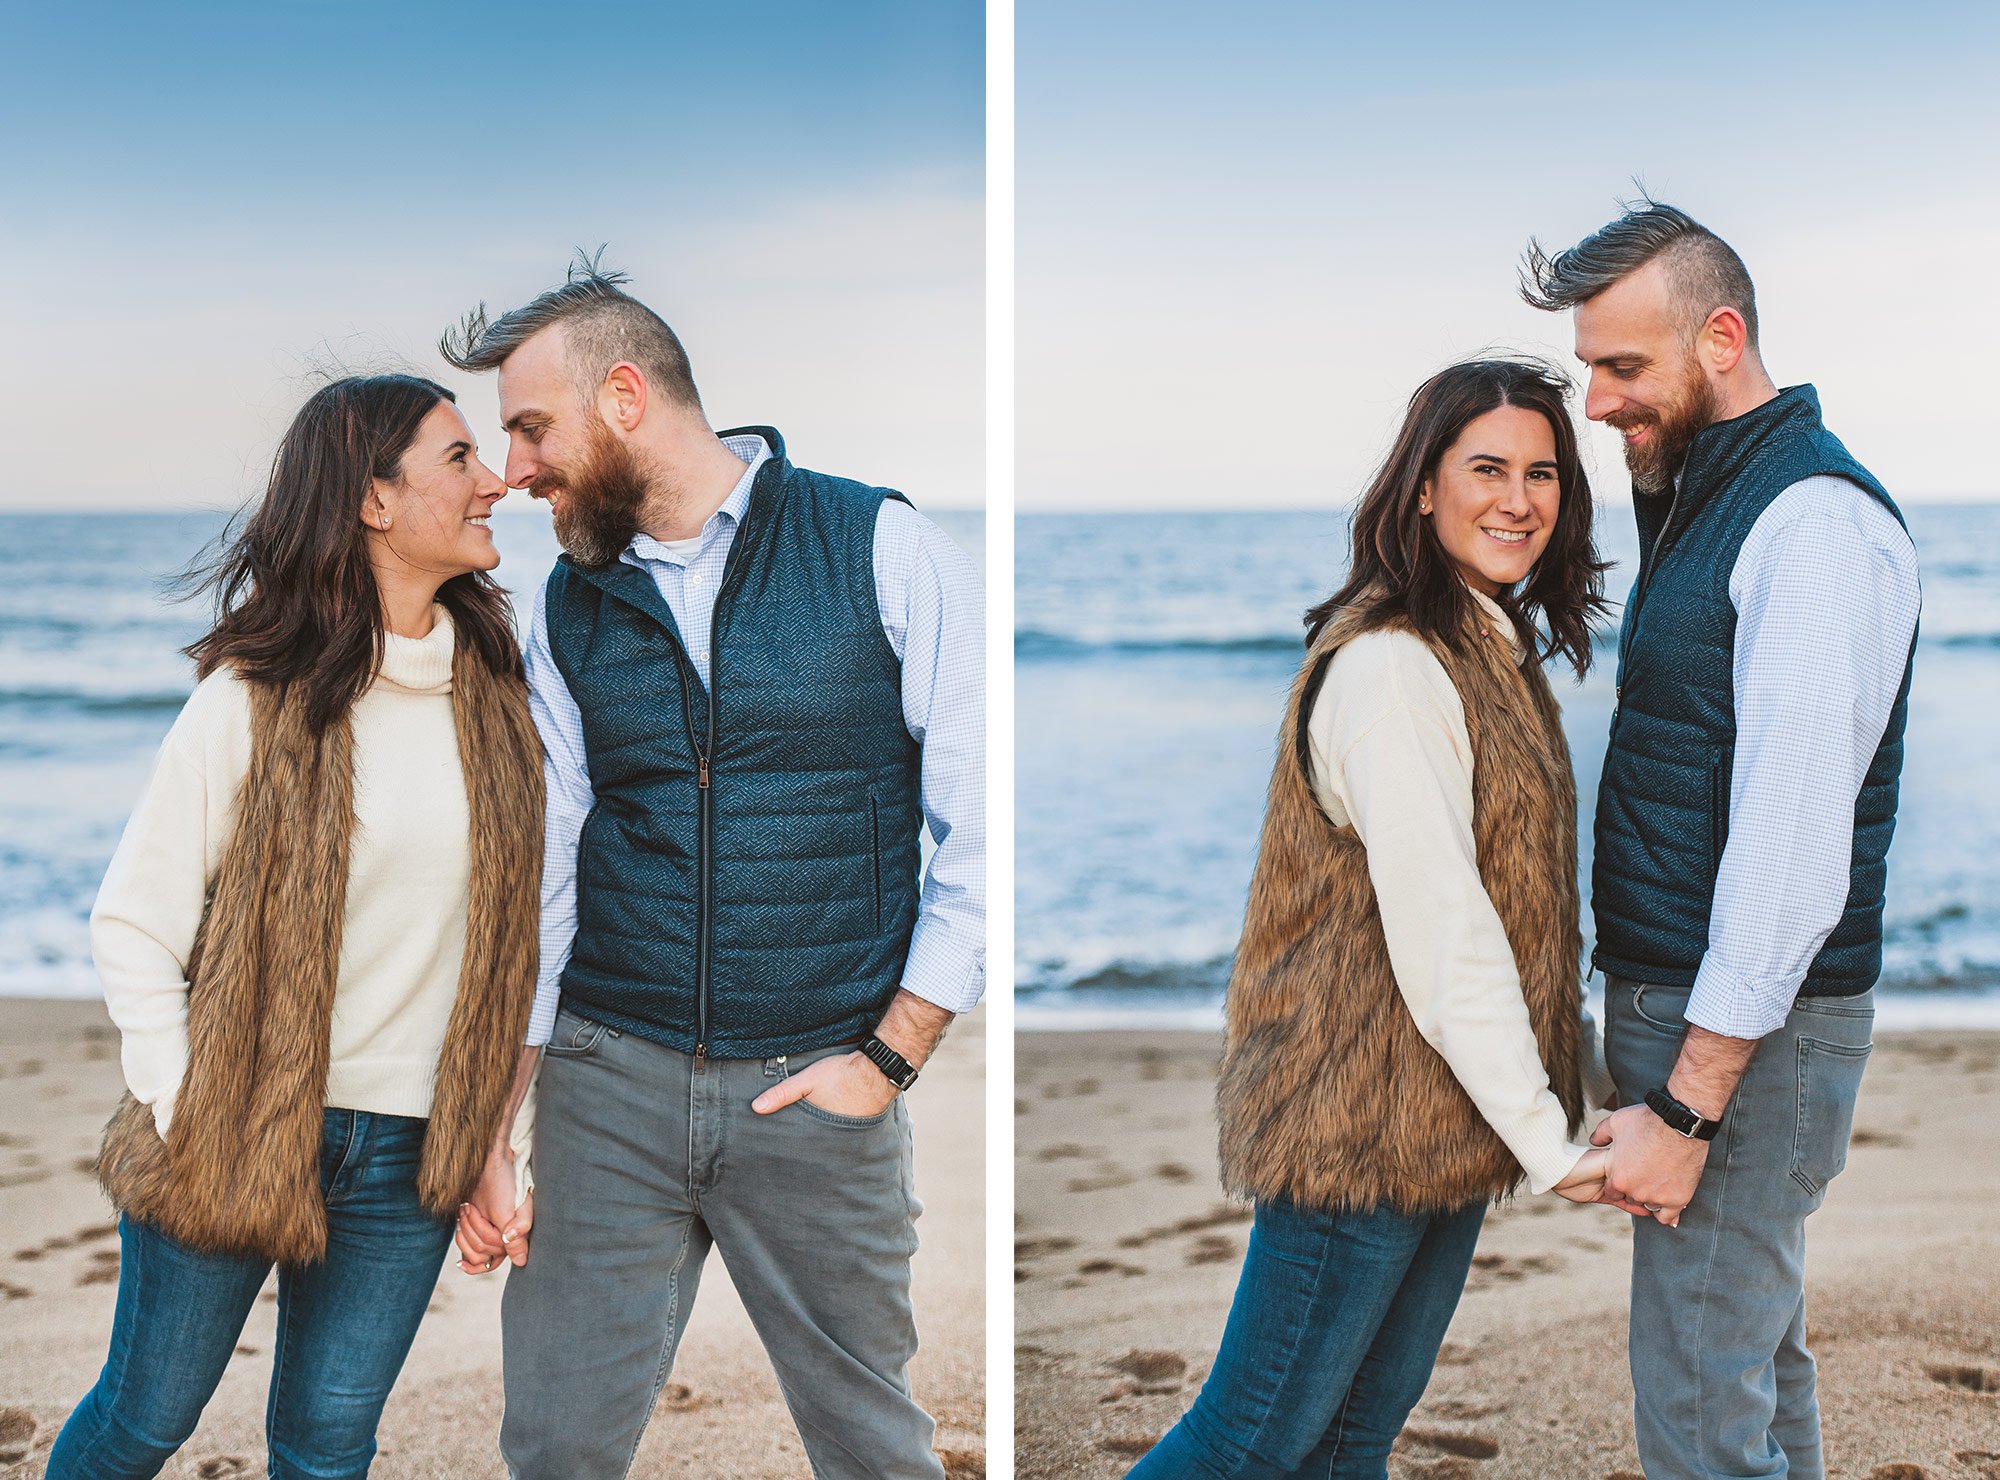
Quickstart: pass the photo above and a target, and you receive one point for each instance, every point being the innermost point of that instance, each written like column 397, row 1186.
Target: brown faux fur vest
column 239, row 1170
column 1329, row 1096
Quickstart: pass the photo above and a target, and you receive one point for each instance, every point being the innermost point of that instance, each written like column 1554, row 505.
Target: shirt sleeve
column 1826, row 595
column 149, row 908
column 1387, row 737
column 934, row 615
column 570, row 798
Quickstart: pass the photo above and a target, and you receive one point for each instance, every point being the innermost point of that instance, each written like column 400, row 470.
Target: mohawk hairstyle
column 1703, row 272
column 602, row 325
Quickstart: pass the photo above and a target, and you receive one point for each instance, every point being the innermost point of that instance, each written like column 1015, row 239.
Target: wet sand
column 1127, row 1254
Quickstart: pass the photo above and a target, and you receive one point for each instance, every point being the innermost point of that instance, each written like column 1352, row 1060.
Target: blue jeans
column 1336, row 1325
column 344, row 1324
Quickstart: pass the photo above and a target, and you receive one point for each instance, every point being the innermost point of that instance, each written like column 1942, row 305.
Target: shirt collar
column 755, row 452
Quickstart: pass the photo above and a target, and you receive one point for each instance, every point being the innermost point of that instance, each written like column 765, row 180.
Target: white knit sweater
column 408, row 875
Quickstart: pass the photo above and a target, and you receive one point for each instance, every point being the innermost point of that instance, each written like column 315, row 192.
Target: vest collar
column 1720, row 452
column 634, row 585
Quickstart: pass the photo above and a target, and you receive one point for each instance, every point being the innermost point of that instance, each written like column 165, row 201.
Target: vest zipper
column 704, row 774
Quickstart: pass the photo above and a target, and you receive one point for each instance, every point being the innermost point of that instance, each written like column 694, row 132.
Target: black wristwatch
column 1680, row 1117
column 891, row 1063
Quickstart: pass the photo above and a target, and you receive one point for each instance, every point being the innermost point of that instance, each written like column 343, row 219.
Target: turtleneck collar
column 1492, row 615
column 419, row 665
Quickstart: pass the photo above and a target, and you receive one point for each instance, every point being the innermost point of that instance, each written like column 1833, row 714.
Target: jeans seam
column 667, row 1343
column 286, row 1312
column 1708, row 1279
column 1297, row 1335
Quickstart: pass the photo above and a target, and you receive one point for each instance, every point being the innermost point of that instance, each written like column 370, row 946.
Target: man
column 1743, row 825
column 753, row 682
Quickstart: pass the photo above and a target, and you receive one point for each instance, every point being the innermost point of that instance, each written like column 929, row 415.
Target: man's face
column 560, row 449
column 1645, row 378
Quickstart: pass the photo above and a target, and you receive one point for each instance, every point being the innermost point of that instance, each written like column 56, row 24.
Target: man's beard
column 1654, row 462
column 603, row 497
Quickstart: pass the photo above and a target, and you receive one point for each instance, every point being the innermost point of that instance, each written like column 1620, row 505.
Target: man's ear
column 622, row 397
column 1724, row 340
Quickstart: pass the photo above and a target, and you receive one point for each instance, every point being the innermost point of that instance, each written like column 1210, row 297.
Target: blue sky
column 1246, row 232
column 205, row 203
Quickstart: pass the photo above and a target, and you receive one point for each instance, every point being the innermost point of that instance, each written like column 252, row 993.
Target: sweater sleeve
column 143, row 924
column 1391, row 756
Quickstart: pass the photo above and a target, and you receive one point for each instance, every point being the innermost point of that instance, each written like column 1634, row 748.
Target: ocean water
column 1153, row 654
column 90, row 679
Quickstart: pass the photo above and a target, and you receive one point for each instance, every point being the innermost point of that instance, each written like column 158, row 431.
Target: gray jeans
column 641, row 1165
column 1723, row 1384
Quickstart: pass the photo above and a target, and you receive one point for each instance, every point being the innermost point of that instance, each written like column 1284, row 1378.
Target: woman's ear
column 374, row 512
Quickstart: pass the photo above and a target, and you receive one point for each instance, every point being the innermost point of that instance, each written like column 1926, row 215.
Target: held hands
column 841, row 1084
column 1650, row 1170
column 490, row 1227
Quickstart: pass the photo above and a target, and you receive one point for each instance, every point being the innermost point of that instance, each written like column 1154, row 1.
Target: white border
column 1000, row 739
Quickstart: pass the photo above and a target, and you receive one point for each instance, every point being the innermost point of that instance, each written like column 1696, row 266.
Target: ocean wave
column 78, row 701
column 1031, row 643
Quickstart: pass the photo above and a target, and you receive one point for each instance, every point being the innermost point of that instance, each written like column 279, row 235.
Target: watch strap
column 1682, row 1118
column 898, row 1069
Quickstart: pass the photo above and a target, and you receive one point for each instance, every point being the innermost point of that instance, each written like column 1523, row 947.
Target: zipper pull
column 700, row 1056
column 701, row 772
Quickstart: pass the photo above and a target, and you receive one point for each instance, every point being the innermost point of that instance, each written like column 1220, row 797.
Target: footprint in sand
column 1462, row 1410
column 962, row 1464
column 1451, row 1441
column 1624, row 1475
column 1215, row 1217
column 23, row 1179
column 1127, row 1446
column 223, row 1467
column 102, row 1270
column 680, row 1398
column 1489, row 1270
column 1150, row 1366
column 1444, row 1467
column 17, row 1434
column 1105, row 1182
column 1030, row 1248
column 1065, row 1151
column 1455, row 1354
column 1900, row 1470
column 244, row 1349
column 1212, row 1248
column 1876, row 1138
column 1172, row 1171
column 1971, row 1379
column 1109, row 1266
column 11, row 1291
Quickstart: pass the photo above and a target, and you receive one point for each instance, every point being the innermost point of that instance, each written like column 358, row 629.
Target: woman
column 1406, row 1040
column 317, row 939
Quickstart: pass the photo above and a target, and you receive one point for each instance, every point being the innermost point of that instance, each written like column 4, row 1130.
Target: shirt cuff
column 1737, row 1006
column 942, row 972
column 1547, row 1166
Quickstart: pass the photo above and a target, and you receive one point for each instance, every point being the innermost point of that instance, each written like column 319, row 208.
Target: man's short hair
column 602, row 325
column 1703, row 272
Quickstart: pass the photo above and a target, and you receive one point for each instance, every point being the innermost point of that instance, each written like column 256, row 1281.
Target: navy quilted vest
column 747, row 878
column 1663, row 803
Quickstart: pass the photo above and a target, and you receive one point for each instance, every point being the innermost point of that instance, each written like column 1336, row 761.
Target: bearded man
column 1742, row 836
column 754, row 684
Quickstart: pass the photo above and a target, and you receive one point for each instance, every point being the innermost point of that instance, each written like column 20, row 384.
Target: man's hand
column 490, row 1226
column 840, row 1083
column 1653, row 1169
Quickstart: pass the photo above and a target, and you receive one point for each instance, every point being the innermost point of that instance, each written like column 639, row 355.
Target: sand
column 1127, row 1254
column 722, row 1416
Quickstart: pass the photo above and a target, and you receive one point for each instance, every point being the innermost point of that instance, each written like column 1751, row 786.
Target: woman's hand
column 490, row 1227
column 1585, row 1182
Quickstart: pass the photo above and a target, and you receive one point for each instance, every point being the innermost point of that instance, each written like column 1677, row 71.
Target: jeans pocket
column 575, row 1037
column 1829, row 1082
column 1664, row 1008
column 845, row 1122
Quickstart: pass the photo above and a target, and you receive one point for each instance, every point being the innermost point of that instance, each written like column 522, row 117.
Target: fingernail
column 507, row 1238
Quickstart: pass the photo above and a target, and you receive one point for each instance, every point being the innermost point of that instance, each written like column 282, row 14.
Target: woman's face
column 1494, row 498
column 433, row 518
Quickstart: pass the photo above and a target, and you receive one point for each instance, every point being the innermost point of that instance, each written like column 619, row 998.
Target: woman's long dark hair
column 1399, row 566
column 295, row 595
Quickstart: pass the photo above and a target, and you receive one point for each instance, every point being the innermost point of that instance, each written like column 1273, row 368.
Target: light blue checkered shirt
column 933, row 614
column 1826, row 596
